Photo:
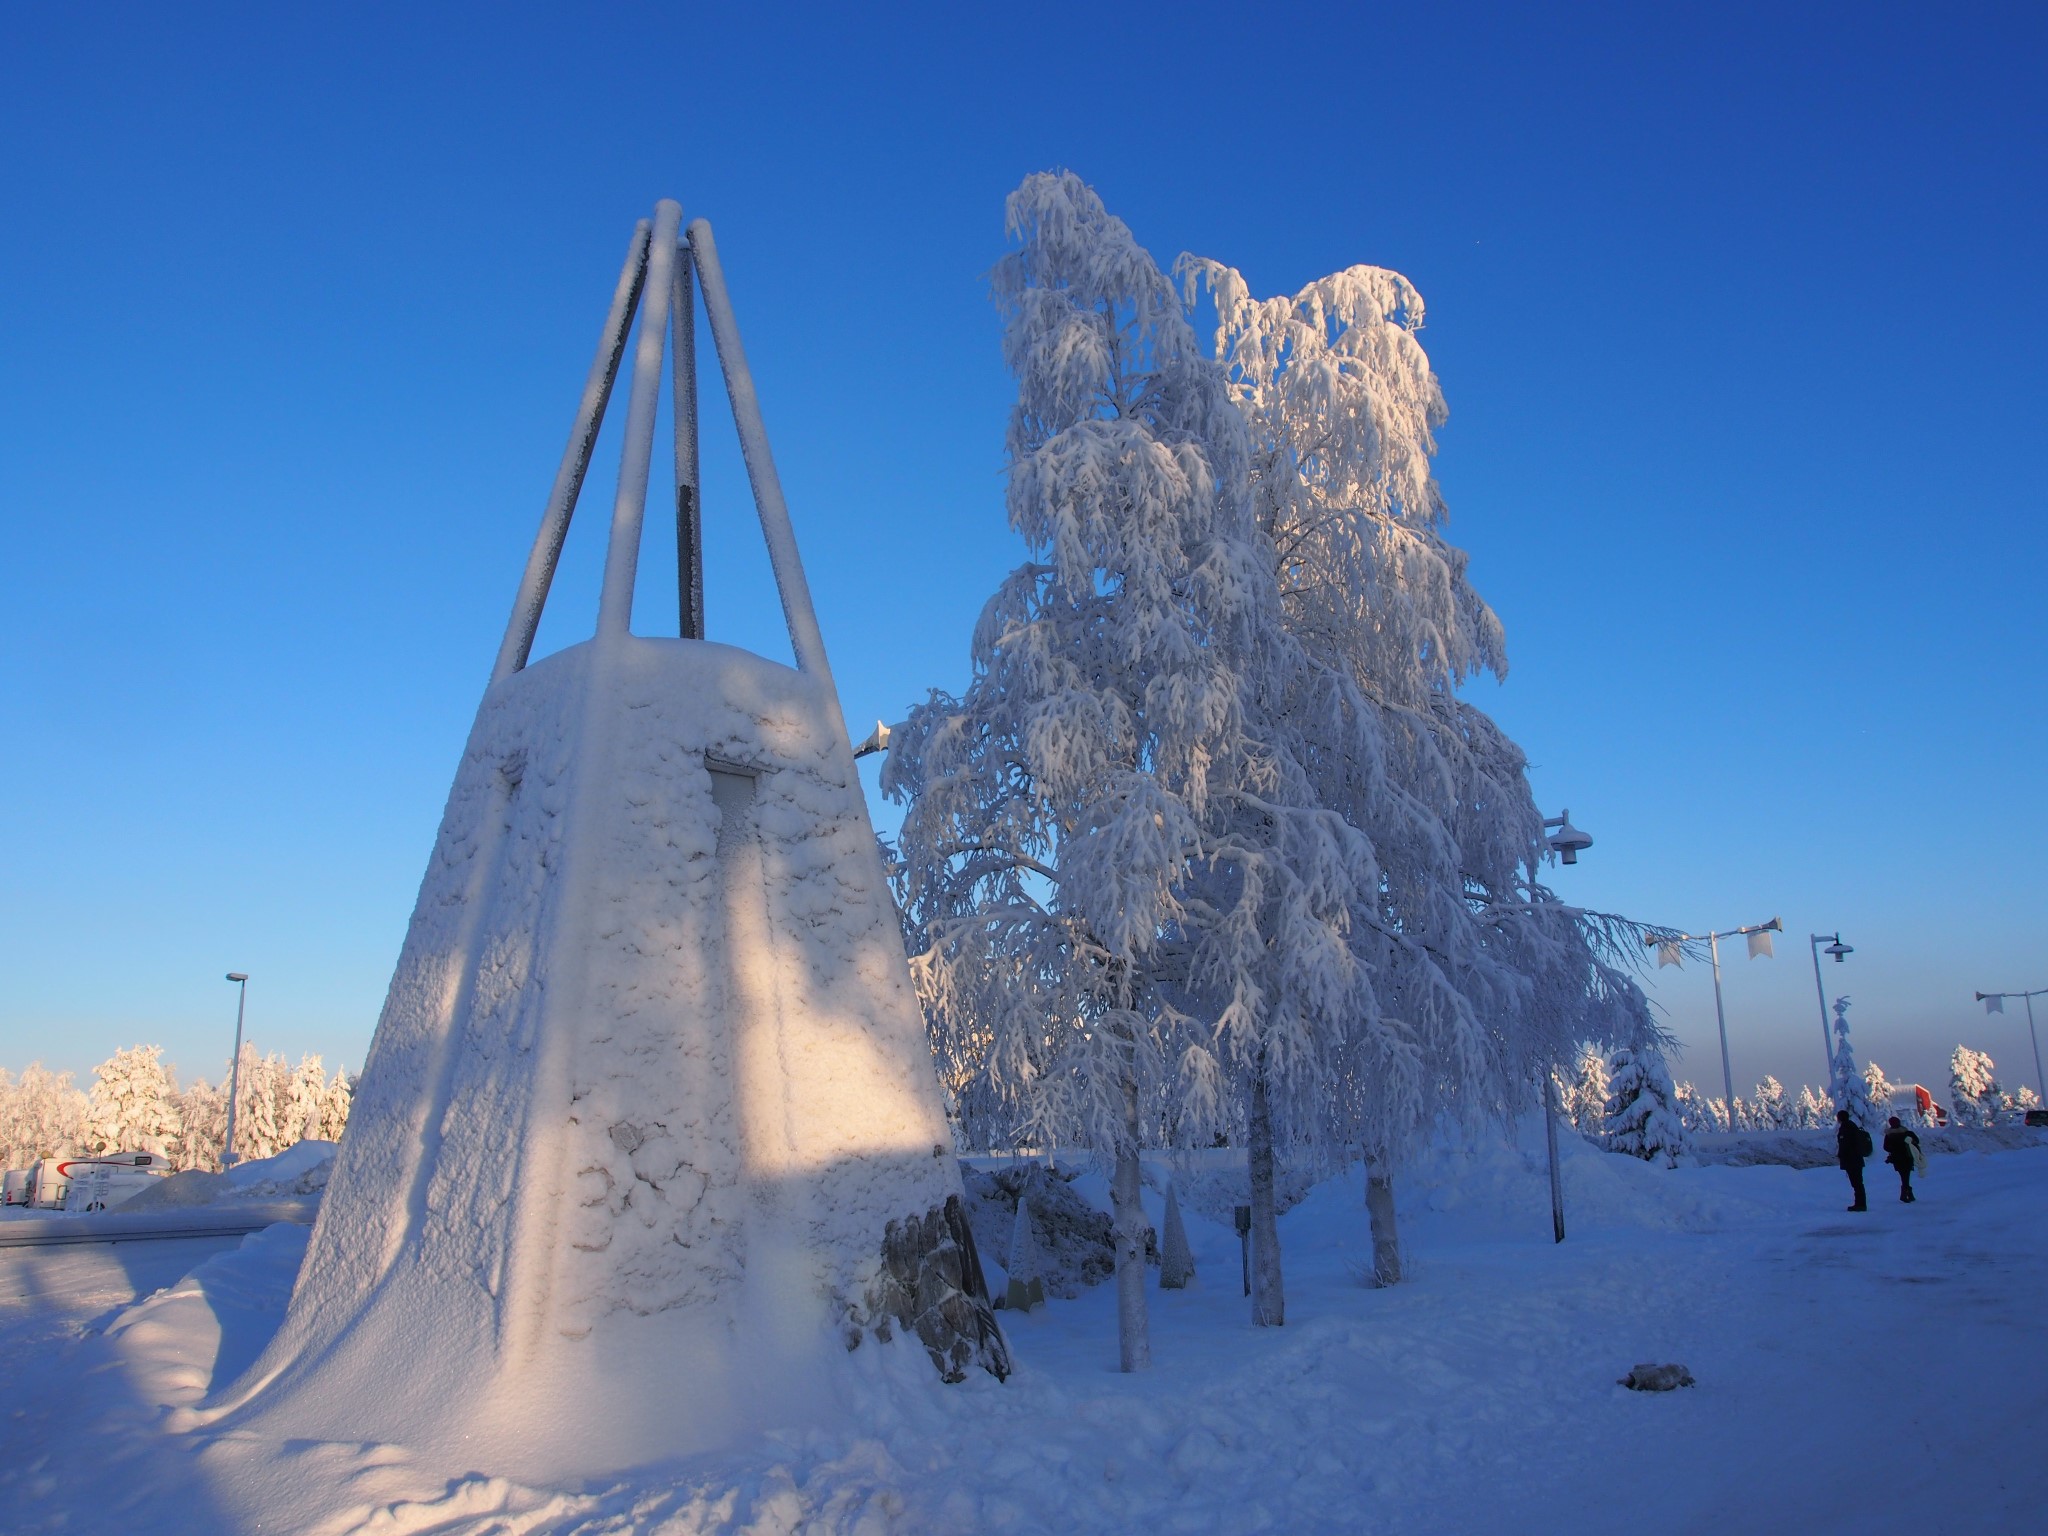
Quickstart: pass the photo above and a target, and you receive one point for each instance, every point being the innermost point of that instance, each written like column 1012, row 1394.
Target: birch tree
column 1481, row 981
column 1130, row 910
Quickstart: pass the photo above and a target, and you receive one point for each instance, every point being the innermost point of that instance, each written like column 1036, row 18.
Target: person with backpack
column 1902, row 1151
column 1852, row 1145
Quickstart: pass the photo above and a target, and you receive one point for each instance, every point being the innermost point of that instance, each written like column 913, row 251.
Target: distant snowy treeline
column 136, row 1105
column 1589, row 1099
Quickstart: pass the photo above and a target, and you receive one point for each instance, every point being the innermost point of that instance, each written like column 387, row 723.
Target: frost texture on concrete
column 649, row 1089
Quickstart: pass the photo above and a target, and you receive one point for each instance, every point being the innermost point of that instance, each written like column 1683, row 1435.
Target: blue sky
column 1738, row 311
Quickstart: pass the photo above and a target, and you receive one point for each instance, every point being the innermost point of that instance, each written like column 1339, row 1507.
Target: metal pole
column 2038, row 1080
column 1550, row 1137
column 689, row 515
column 554, row 520
column 1827, row 1044
column 227, row 1152
column 1721, row 1017
column 804, row 637
column 629, row 507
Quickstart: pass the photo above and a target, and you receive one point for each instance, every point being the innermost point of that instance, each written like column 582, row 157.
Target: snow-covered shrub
column 1642, row 1115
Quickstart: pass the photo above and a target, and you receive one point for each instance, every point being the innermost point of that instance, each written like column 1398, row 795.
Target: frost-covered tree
column 334, row 1105
column 1846, row 1085
column 1811, row 1110
column 1880, row 1089
column 259, row 1104
column 1767, row 1108
column 1133, row 910
column 299, row 1116
column 1586, row 1098
column 1642, row 1115
column 203, row 1125
column 1972, row 1087
column 2021, row 1100
column 1481, row 982
column 41, row 1115
column 133, row 1104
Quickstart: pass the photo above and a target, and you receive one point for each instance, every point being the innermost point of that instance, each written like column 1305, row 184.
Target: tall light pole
column 1841, row 952
column 1721, row 1013
column 227, row 1152
column 1988, row 998
column 1567, row 842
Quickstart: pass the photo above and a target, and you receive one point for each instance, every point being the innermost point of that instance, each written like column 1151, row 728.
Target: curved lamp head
column 238, row 975
column 1568, row 842
column 1838, row 949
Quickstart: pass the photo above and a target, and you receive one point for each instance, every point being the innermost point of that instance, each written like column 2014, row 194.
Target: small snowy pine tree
column 1845, row 1083
column 1586, row 1101
column 1972, row 1087
column 133, row 1105
column 1642, row 1119
column 334, row 1105
column 302, row 1094
column 1767, row 1105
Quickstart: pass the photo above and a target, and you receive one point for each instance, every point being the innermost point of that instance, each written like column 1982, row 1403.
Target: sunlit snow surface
column 1872, row 1373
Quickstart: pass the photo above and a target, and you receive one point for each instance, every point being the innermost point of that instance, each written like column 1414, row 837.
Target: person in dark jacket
column 1852, row 1145
column 1902, row 1151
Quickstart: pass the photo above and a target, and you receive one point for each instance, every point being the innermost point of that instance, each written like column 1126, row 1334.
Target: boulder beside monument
column 648, row 1139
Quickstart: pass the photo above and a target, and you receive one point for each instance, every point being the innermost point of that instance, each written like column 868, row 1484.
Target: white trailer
column 14, row 1191
column 94, row 1183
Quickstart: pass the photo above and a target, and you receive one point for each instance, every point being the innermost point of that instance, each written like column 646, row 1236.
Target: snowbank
column 302, row 1169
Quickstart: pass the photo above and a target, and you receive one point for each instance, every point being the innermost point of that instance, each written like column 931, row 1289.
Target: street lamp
column 1994, row 1002
column 227, row 1152
column 1841, row 952
column 1758, row 935
column 1567, row 842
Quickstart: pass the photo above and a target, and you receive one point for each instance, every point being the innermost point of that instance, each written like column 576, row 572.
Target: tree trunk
column 1379, row 1211
column 1133, row 1331
column 1269, row 1297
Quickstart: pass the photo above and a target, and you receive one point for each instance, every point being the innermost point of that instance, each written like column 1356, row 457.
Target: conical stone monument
column 648, row 1139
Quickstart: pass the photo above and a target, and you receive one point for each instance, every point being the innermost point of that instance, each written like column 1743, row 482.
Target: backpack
column 1863, row 1140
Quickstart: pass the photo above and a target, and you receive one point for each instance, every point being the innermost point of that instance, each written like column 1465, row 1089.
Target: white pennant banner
column 1671, row 952
column 1994, row 1004
column 1760, row 944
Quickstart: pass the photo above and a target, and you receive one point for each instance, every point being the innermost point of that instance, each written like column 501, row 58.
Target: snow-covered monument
column 649, row 1137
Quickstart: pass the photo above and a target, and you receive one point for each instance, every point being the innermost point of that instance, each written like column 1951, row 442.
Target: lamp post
column 1841, row 952
column 1567, row 842
column 1721, row 1013
column 1988, row 998
column 227, row 1152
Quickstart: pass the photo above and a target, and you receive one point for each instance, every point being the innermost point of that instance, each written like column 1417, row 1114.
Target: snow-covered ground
column 1877, row 1372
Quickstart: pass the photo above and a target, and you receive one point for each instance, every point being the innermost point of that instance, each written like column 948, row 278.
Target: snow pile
column 301, row 1169
column 650, row 1086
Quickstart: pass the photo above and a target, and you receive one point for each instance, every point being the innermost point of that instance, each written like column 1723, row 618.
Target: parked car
column 2037, row 1117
